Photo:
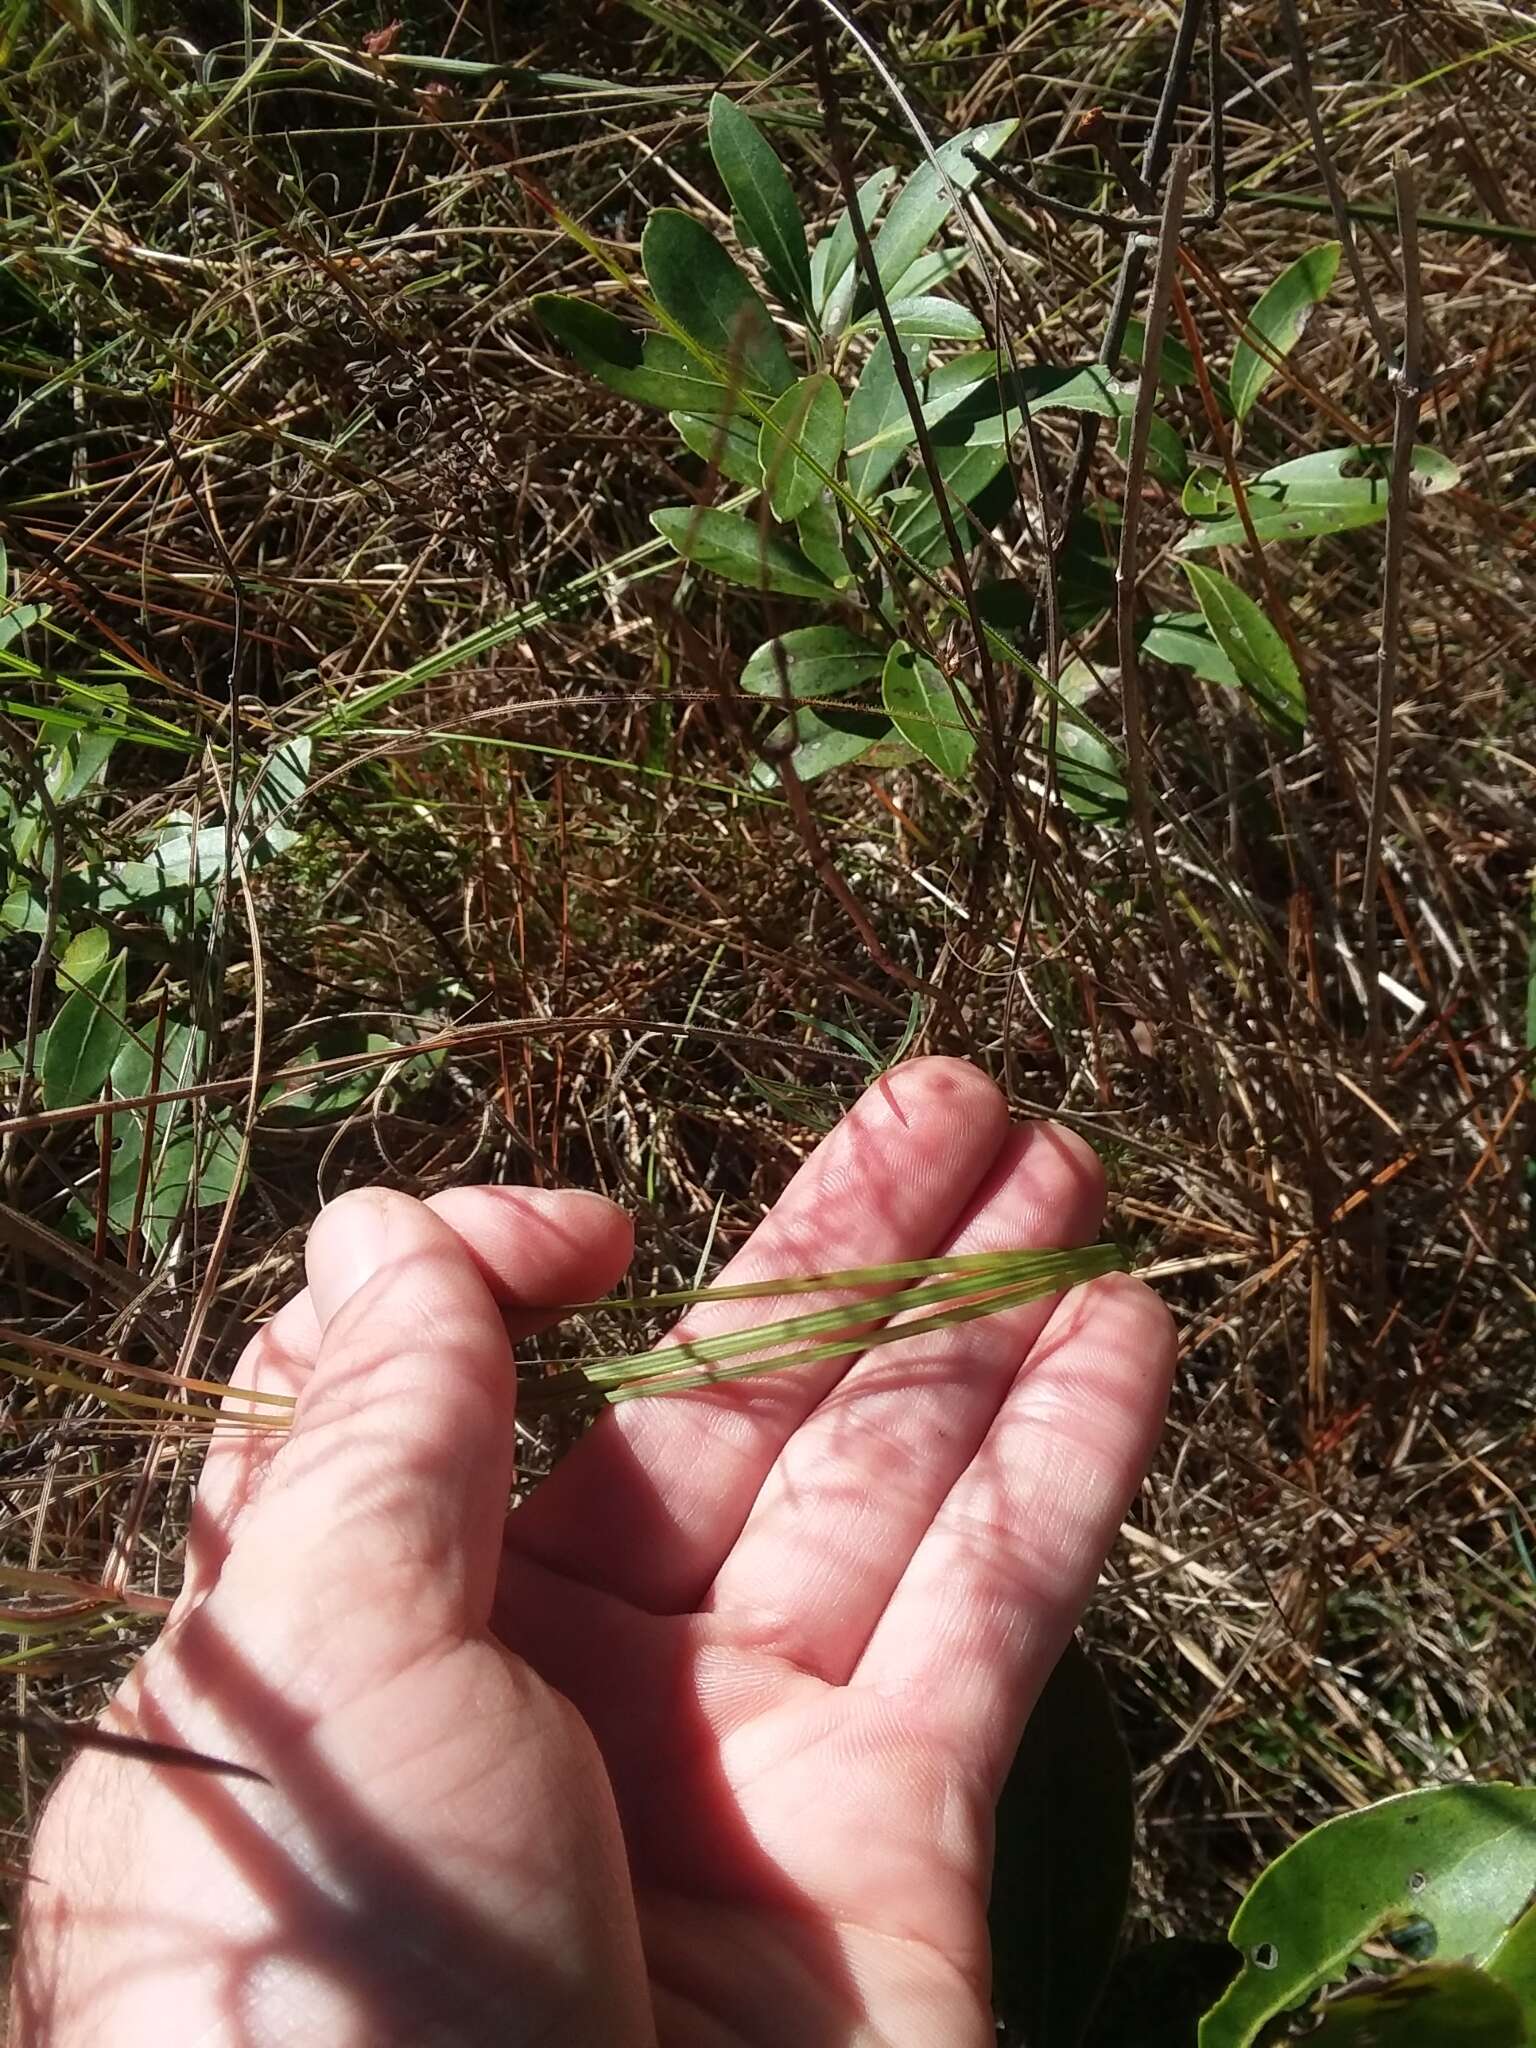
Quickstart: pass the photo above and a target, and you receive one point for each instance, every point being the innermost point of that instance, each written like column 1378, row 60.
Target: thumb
column 398, row 1466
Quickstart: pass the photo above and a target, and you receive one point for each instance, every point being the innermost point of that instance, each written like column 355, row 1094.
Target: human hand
column 702, row 1747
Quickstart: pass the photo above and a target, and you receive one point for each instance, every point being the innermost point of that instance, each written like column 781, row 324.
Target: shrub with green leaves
column 777, row 371
column 834, row 509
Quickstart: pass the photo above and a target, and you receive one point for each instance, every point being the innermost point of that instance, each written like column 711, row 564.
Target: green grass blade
column 991, row 1270
column 988, row 1282
column 982, row 1264
column 658, row 1375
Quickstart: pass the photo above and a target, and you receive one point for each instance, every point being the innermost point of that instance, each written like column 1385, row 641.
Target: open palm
column 703, row 1748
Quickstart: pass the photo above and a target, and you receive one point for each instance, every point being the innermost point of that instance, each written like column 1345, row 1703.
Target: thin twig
column 1154, row 164
column 1218, row 206
column 1407, row 387
column 1098, row 131
column 1125, row 614
column 1408, row 392
column 1301, row 67
column 1144, row 184
column 1121, row 224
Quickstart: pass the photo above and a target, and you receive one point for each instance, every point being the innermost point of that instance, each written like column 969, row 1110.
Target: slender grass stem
column 975, row 1285
column 984, row 1263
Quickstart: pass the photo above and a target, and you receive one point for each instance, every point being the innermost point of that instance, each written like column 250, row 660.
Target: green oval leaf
column 1090, row 388
column 1333, row 491
column 1176, row 366
column 1205, row 494
column 83, row 959
column 727, row 444
column 267, row 809
column 820, row 534
column 16, row 620
column 1184, row 640
column 976, row 404
column 823, row 741
column 761, row 195
column 938, row 266
column 1339, row 475
column 879, row 423
column 926, row 318
column 1458, row 1857
column 183, row 1054
column 923, row 204
column 333, row 1094
column 965, row 473
column 924, row 710
column 24, row 912
column 1089, row 774
column 740, row 551
column 1062, row 1869
column 1166, row 460
column 196, row 1167
column 74, row 765
column 800, row 442
column 966, row 381
column 1278, row 321
column 1440, row 2005
column 834, row 255
column 84, row 1039
column 674, row 376
column 651, row 369
column 79, row 761
column 1265, row 669
column 710, row 298
column 187, row 1152
column 814, row 661
column 598, row 340
column 1513, row 1961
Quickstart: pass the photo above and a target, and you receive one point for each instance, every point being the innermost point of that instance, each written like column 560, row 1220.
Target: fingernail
column 585, row 1195
column 598, row 1206
column 536, row 1199
column 348, row 1243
